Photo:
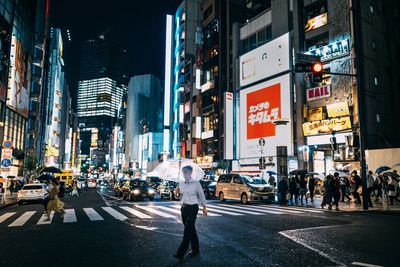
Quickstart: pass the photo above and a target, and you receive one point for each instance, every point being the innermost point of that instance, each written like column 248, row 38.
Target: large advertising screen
column 5, row 36
column 267, row 60
column 259, row 106
column 19, row 78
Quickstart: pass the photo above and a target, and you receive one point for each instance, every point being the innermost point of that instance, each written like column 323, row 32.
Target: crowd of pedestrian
column 338, row 188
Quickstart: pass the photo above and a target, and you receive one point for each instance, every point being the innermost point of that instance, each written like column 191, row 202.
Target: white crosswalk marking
column 69, row 216
column 253, row 208
column 234, row 209
column 276, row 209
column 43, row 220
column 136, row 213
column 92, row 214
column 160, row 213
column 6, row 216
column 223, row 211
column 114, row 213
column 170, row 209
column 200, row 210
column 22, row 219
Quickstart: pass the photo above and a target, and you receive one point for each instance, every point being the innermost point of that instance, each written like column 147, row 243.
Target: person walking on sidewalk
column 392, row 187
column 311, row 186
column 327, row 195
column 282, row 191
column 334, row 187
column 344, row 188
column 370, row 188
column 356, row 182
column 378, row 182
column 192, row 195
column 292, row 189
column 303, row 190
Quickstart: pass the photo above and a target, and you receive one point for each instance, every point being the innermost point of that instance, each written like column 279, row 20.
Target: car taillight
column 41, row 191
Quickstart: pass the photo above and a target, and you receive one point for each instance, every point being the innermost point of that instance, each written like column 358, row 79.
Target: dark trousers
column 189, row 215
column 343, row 189
column 311, row 189
column 282, row 198
column 356, row 195
column 370, row 190
column 379, row 192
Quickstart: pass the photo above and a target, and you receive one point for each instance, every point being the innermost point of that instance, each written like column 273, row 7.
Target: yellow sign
column 205, row 162
column 316, row 22
column 315, row 114
column 338, row 109
column 326, row 126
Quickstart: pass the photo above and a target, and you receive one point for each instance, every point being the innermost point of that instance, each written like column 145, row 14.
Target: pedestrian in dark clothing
column 311, row 186
column 297, row 191
column 282, row 191
column 378, row 187
column 356, row 181
column 303, row 189
column 334, row 187
column 12, row 185
column 370, row 187
column 344, row 185
column 292, row 189
column 192, row 195
column 327, row 197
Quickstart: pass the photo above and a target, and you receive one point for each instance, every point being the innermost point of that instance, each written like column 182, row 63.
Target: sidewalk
column 349, row 206
column 8, row 200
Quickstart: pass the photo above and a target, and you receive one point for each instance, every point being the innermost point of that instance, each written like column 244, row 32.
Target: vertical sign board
column 228, row 118
column 259, row 106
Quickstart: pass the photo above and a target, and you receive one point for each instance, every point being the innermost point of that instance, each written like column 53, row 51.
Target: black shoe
column 176, row 256
column 194, row 253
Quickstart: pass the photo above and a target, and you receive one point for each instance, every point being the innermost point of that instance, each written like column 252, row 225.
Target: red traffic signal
column 317, row 67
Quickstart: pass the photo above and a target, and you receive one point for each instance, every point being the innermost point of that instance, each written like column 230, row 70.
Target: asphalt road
column 101, row 230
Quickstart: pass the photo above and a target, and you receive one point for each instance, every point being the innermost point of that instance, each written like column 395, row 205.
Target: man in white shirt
column 192, row 195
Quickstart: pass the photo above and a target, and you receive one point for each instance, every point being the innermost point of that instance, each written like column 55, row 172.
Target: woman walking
column 311, row 186
column 327, row 198
column 55, row 204
column 303, row 190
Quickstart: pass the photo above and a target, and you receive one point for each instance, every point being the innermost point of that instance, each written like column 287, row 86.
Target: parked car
column 137, row 189
column 32, row 192
column 244, row 188
column 208, row 188
column 167, row 190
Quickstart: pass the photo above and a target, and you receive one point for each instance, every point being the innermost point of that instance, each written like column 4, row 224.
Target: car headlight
column 151, row 191
column 136, row 191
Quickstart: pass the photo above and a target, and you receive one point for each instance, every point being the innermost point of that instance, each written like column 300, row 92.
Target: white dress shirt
column 192, row 193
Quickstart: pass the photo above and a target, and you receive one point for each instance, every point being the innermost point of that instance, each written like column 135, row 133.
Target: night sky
column 139, row 25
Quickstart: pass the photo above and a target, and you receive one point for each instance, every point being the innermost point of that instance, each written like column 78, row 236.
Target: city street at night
column 99, row 230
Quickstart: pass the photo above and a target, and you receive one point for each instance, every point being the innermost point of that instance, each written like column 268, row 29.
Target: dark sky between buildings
column 138, row 25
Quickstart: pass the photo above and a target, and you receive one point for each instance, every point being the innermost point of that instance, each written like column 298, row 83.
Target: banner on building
column 316, row 22
column 326, row 126
column 259, row 106
column 319, row 92
column 267, row 60
column 205, row 162
column 315, row 114
column 228, row 129
column 337, row 109
column 5, row 34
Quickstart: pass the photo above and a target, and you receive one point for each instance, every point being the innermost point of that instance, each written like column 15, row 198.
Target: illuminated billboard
column 4, row 56
column 259, row 106
column 19, row 78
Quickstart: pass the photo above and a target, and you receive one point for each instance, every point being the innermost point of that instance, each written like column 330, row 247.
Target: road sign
column 5, row 163
column 261, row 142
column 7, row 144
column 6, row 153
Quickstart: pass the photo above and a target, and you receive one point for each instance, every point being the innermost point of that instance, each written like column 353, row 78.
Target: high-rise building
column 102, row 82
column 143, row 133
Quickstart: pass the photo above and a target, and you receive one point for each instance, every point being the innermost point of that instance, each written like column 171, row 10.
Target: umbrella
column 298, row 172
column 171, row 170
column 45, row 177
column 382, row 169
column 349, row 167
column 271, row 172
column 391, row 174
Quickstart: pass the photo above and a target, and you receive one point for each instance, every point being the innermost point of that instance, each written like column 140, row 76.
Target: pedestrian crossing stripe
column 149, row 212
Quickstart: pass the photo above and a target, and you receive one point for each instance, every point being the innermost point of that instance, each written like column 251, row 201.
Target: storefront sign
column 320, row 92
column 316, row 22
column 267, row 60
column 315, row 114
column 205, row 162
column 326, row 126
column 208, row 134
column 337, row 109
column 331, row 51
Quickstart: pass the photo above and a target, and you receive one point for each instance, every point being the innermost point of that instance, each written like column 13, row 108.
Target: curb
column 7, row 205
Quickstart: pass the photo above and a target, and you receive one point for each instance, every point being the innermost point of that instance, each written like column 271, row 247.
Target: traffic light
column 333, row 143
column 261, row 160
column 317, row 69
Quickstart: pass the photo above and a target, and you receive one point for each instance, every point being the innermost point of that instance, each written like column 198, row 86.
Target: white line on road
column 224, row 211
column 200, row 210
column 92, row 214
column 263, row 210
column 234, row 209
column 22, row 219
column 365, row 264
column 160, row 213
column 6, row 216
column 279, row 209
column 136, row 213
column 115, row 213
column 43, row 220
column 69, row 216
column 170, row 209
column 299, row 209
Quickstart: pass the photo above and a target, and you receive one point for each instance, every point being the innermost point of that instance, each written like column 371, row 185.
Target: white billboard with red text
column 259, row 106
